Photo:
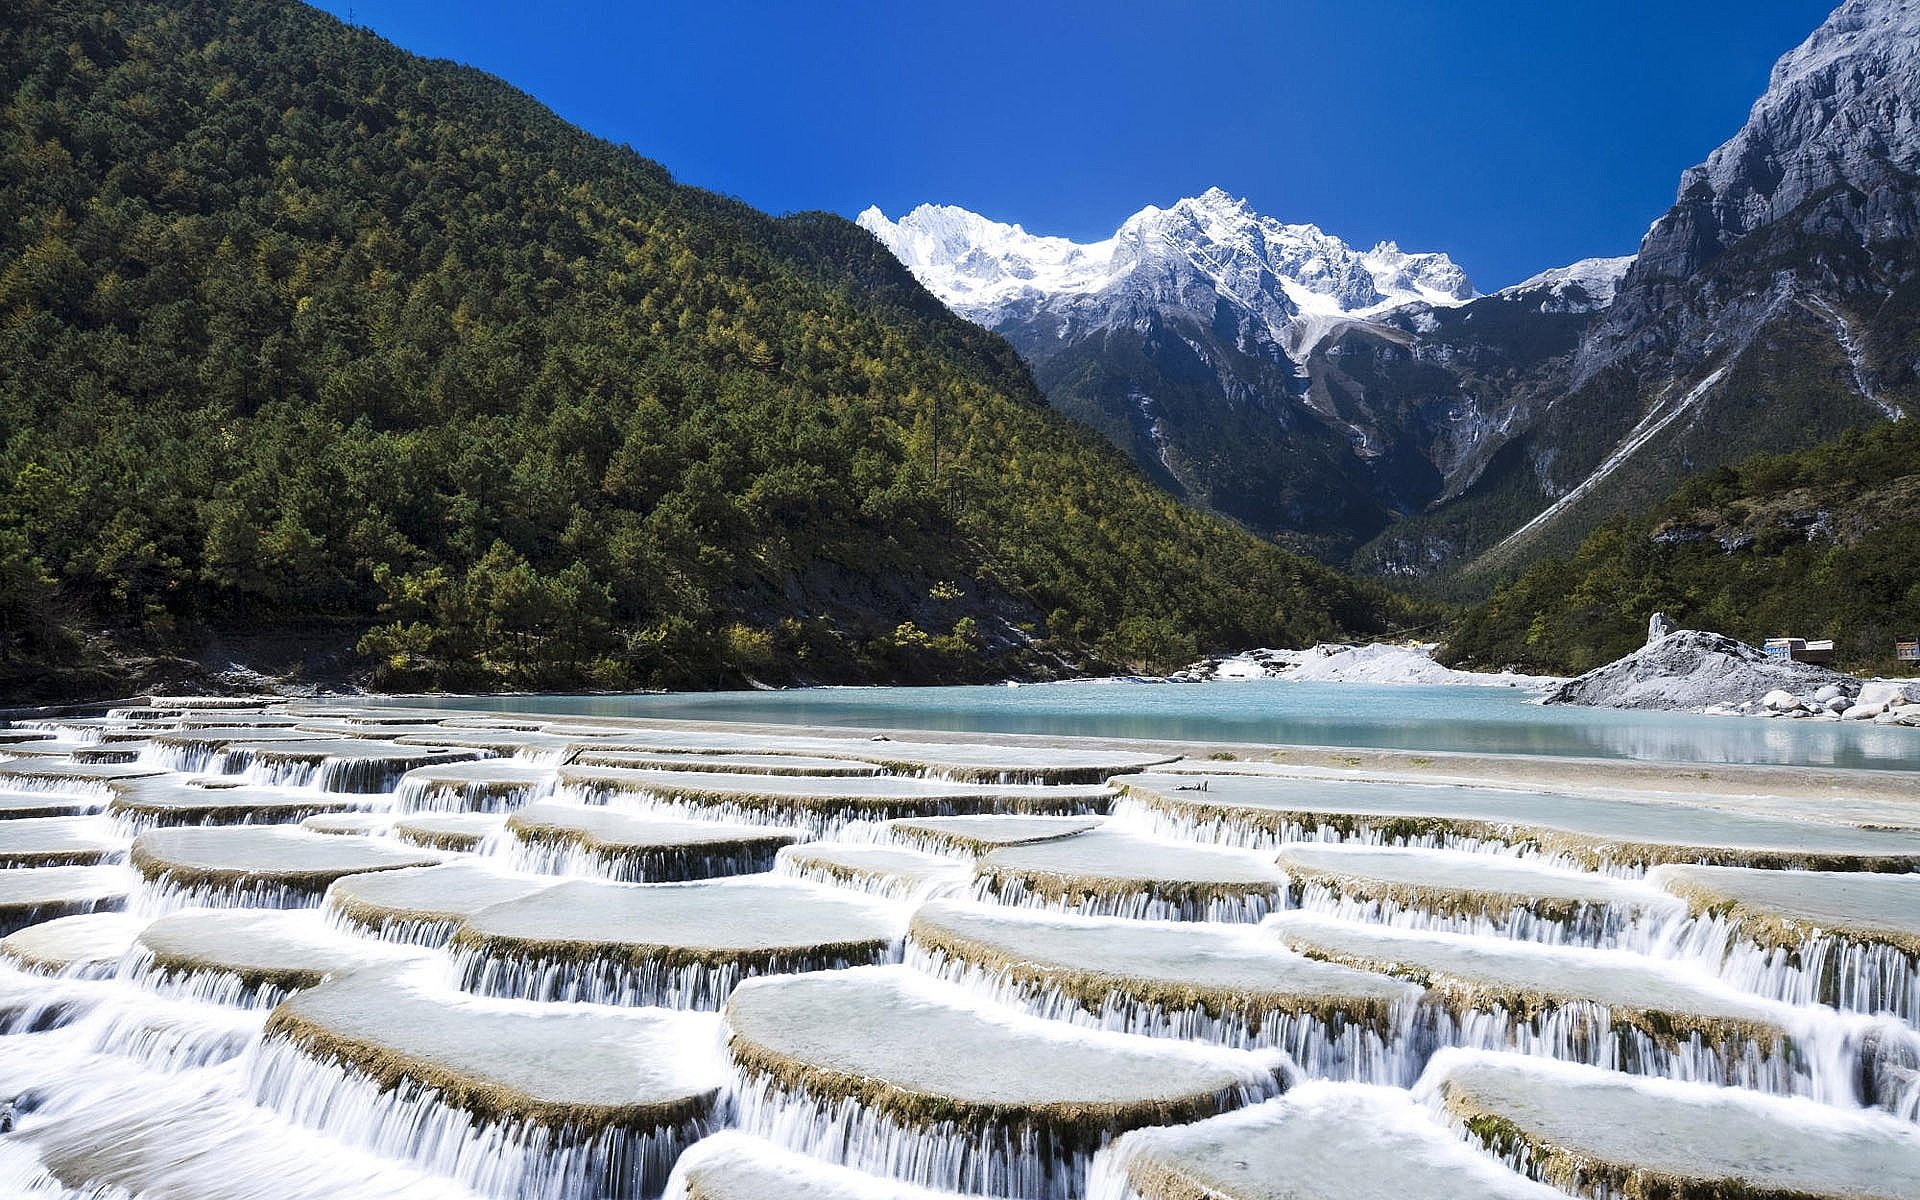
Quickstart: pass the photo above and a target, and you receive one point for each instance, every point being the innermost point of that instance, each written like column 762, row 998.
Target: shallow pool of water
column 1467, row 719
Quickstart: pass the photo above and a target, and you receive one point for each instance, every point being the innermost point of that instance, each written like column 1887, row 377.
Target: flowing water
column 1468, row 719
column 561, row 1016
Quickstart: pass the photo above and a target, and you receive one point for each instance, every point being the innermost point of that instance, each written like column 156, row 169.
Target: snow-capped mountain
column 1191, row 255
column 1368, row 404
column 1586, row 286
column 1218, row 346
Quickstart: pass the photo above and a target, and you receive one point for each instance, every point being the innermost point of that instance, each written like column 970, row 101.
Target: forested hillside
column 302, row 333
column 1822, row 543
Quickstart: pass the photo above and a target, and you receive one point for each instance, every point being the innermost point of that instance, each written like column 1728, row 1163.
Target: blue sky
column 1513, row 134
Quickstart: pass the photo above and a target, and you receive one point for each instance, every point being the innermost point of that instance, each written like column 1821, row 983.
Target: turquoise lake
column 1467, row 719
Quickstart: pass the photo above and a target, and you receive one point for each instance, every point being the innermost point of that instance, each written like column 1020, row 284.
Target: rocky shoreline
column 1692, row 670
column 1409, row 664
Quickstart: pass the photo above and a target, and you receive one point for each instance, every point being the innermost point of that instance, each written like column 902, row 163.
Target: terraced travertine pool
column 270, row 950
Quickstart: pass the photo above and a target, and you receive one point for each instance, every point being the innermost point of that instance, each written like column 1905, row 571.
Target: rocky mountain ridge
column 1370, row 406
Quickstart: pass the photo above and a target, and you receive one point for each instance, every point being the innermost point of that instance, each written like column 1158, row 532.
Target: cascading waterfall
column 1236, row 908
column 1235, row 833
column 1593, row 925
column 1329, row 1045
column 90, row 1051
column 414, row 795
column 1002, row 1159
column 665, row 864
column 513, row 1159
column 1863, row 977
column 683, row 979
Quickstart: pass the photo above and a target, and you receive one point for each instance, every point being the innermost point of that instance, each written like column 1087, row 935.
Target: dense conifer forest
column 300, row 333
column 1822, row 543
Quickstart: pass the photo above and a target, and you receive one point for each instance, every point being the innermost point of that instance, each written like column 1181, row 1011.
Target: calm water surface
column 1470, row 719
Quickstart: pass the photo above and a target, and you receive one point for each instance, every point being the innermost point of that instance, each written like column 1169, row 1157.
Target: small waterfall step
column 338, row 764
column 879, row 870
column 1111, row 872
column 1320, row 1141
column 735, row 1166
column 731, row 764
column 355, row 823
column 188, row 1138
column 1227, row 984
column 823, row 805
column 167, row 800
column 508, row 1097
column 1844, row 939
column 30, row 895
column 971, row 837
column 1470, row 892
column 638, row 847
column 60, row 773
column 484, row 785
column 887, row 1070
column 267, row 865
column 423, row 905
column 1611, row 1008
column 1601, row 1134
column 206, row 748
column 88, row 946
column 524, row 745
column 1593, row 832
column 685, row 945
column 251, row 957
column 985, row 762
column 456, row 832
column 59, row 842
column 15, row 806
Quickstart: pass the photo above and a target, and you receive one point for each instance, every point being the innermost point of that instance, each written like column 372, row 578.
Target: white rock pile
column 1882, row 701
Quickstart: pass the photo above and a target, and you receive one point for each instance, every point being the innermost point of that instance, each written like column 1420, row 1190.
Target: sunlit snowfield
column 295, row 951
column 1467, row 719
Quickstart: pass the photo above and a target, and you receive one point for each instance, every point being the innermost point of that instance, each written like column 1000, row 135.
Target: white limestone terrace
column 1225, row 984
column 737, row 764
column 424, row 904
column 59, row 842
column 684, row 945
column 1604, row 832
column 251, row 956
column 459, row 831
column 1843, row 939
column 142, row 1066
column 1789, row 908
column 1010, row 1100
column 1610, row 1007
column 823, row 805
column 271, row 865
column 140, row 804
column 881, row 870
column 86, row 945
column 1471, row 892
column 735, row 1166
column 639, row 847
column 973, row 836
column 29, row 895
column 1112, row 872
column 511, row 1059
column 1600, row 1133
column 486, row 785
column 1320, row 1141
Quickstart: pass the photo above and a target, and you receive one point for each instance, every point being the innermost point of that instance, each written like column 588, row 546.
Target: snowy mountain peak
column 1190, row 255
column 1586, row 286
